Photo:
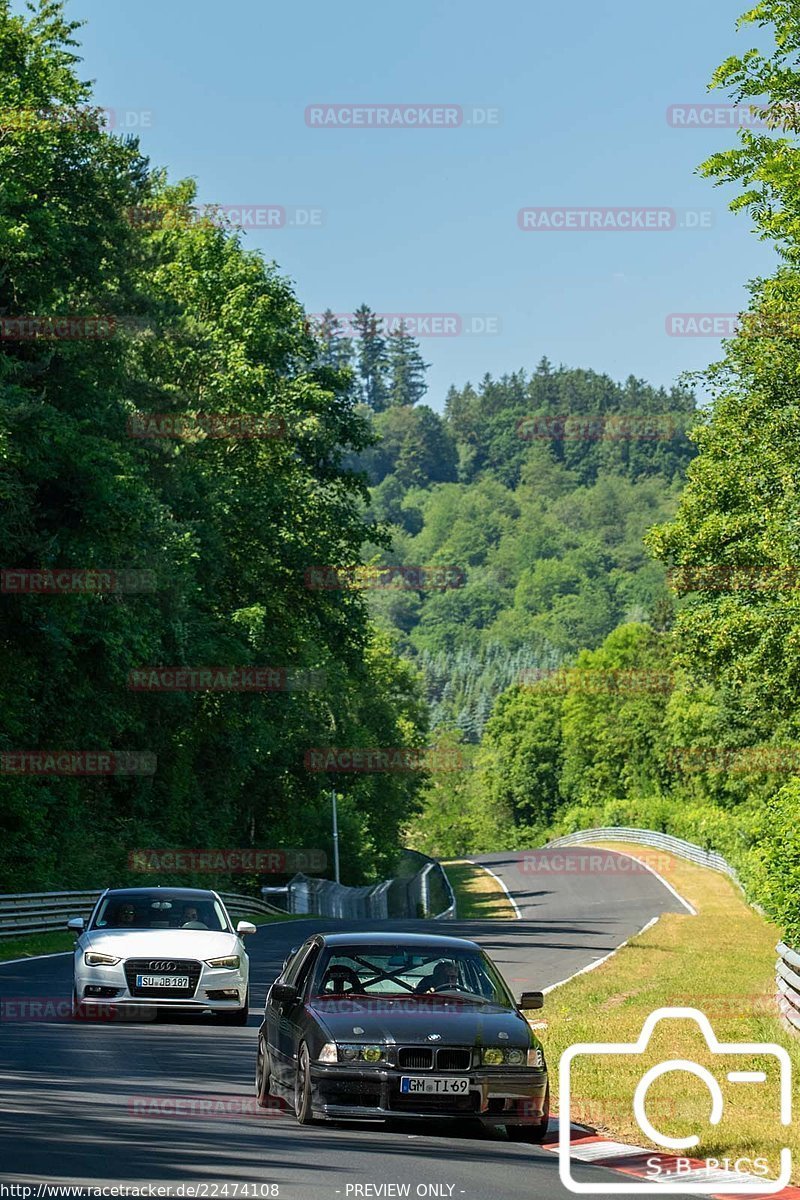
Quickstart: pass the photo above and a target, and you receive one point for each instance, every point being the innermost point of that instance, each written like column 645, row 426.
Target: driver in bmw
column 443, row 975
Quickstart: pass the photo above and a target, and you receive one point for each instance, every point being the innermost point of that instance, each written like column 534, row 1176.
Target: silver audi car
column 145, row 949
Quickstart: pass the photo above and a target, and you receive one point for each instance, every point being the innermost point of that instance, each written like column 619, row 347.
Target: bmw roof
column 398, row 940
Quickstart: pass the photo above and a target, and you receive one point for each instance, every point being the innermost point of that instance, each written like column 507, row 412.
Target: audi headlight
column 231, row 961
column 498, row 1056
column 93, row 958
column 358, row 1053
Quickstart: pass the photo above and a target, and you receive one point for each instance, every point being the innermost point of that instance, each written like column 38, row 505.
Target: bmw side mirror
column 76, row 924
column 283, row 993
column 245, row 927
column 531, row 1000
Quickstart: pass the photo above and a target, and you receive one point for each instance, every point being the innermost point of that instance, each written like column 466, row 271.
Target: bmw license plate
column 162, row 981
column 440, row 1085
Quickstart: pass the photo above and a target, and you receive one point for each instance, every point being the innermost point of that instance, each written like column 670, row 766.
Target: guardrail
column 787, row 968
column 420, row 889
column 48, row 912
column 650, row 837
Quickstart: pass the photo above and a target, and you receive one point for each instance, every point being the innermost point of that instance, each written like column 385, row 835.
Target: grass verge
column 31, row 944
column 479, row 896
column 722, row 962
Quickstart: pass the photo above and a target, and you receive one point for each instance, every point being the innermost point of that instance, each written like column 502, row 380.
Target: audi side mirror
column 76, row 924
column 245, row 927
column 283, row 993
column 531, row 1000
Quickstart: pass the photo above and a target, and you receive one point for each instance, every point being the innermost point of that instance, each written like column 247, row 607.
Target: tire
column 264, row 1098
column 239, row 1017
column 302, row 1087
column 534, row 1135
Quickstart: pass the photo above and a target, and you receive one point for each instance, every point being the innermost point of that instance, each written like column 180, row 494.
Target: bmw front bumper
column 495, row 1097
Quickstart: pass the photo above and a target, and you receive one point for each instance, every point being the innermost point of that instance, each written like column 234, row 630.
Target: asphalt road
column 171, row 1102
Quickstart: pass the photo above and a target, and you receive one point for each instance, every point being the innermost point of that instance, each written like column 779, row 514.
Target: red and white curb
column 587, row 1146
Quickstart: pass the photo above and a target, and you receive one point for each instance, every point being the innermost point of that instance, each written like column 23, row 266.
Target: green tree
column 406, row 368
column 372, row 358
column 336, row 350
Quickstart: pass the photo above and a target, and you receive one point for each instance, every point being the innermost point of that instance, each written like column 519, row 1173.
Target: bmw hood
column 409, row 1021
column 162, row 943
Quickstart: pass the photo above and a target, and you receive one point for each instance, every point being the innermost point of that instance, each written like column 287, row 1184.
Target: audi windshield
column 160, row 910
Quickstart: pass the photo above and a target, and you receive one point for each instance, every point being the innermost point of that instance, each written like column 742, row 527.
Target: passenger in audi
column 190, row 918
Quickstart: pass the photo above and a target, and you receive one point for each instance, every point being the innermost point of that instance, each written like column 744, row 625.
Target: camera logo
column 696, row 1177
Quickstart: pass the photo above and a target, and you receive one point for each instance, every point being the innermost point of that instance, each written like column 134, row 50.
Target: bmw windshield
column 466, row 975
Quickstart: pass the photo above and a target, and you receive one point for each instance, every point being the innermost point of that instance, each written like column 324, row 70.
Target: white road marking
column 497, row 878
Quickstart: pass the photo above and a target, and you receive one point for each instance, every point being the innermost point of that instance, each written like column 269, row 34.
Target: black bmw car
column 387, row 1025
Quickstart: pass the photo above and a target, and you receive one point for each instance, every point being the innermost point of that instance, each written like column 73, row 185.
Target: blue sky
column 573, row 99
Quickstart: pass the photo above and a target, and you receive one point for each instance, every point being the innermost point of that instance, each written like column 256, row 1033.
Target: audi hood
column 162, row 943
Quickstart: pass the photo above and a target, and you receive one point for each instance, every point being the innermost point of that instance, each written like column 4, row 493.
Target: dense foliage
column 229, row 526
column 537, row 492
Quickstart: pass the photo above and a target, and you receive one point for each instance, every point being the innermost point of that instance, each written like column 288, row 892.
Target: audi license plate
column 162, row 981
column 438, row 1085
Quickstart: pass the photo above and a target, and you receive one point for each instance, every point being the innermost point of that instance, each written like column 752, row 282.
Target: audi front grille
column 172, row 966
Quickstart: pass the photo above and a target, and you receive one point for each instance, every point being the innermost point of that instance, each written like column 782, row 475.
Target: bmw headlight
column 499, row 1056
column 93, row 958
column 231, row 962
column 352, row 1052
